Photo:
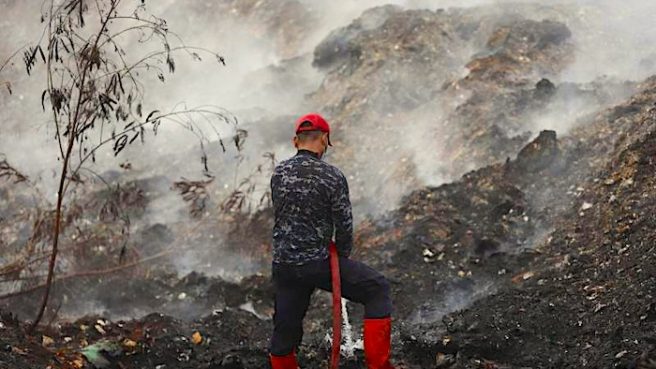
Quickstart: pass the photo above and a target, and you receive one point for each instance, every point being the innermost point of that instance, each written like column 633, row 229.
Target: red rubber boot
column 283, row 362
column 377, row 343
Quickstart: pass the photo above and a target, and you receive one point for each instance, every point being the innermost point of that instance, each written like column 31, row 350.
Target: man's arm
column 342, row 218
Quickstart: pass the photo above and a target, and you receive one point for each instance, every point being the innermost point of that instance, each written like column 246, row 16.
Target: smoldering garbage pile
column 541, row 257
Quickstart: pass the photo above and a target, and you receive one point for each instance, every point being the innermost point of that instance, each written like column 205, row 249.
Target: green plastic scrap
column 98, row 353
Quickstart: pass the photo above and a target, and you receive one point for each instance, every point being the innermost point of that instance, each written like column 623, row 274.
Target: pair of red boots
column 376, row 347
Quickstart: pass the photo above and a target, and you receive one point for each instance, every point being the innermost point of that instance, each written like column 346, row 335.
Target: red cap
column 317, row 123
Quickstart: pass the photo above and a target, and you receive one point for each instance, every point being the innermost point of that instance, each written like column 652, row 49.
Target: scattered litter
column 249, row 307
column 46, row 341
column 99, row 353
column 428, row 255
column 621, row 354
column 129, row 344
column 444, row 360
column 196, row 338
column 522, row 277
column 16, row 350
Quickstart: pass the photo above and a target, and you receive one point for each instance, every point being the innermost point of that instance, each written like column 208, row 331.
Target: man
column 311, row 204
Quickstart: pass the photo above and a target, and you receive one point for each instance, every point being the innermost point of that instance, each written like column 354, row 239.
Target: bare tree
column 94, row 92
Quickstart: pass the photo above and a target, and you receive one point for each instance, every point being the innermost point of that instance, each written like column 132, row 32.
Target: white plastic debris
column 249, row 307
column 586, row 206
column 621, row 353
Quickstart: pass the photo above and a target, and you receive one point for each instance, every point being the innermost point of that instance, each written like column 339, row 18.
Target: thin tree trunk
column 72, row 125
column 55, row 242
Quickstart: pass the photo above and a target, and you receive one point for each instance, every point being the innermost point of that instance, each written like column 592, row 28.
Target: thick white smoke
column 266, row 83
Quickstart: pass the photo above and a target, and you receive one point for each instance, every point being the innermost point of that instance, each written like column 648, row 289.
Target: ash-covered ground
column 510, row 205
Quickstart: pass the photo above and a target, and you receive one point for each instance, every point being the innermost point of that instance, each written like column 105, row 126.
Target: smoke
column 269, row 80
column 610, row 37
column 457, row 296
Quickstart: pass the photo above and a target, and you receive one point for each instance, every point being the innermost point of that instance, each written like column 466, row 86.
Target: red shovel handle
column 337, row 306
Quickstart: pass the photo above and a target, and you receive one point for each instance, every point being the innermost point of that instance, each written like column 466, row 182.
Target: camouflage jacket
column 311, row 203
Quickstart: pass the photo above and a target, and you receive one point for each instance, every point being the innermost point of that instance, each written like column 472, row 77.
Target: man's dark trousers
column 294, row 285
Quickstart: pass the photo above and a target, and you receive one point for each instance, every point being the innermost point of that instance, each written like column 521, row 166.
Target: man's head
column 312, row 134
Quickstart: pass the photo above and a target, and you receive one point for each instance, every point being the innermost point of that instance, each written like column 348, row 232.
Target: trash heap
column 540, row 256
